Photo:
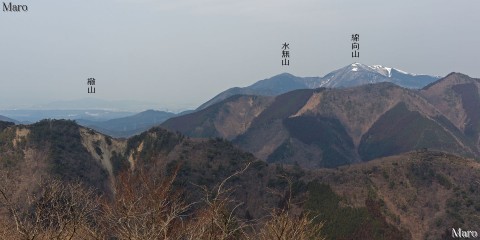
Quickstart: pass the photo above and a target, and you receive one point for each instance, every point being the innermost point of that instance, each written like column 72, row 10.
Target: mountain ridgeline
column 6, row 119
column 352, row 75
column 415, row 195
column 127, row 124
column 130, row 125
column 244, row 162
column 332, row 127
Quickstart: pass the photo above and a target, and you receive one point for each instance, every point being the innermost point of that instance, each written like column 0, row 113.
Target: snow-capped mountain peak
column 355, row 67
column 354, row 74
column 385, row 71
column 358, row 74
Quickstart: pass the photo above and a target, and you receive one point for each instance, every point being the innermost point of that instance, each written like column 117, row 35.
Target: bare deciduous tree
column 284, row 224
column 217, row 220
column 56, row 211
column 143, row 208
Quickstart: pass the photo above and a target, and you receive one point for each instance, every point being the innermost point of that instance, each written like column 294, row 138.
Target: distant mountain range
column 91, row 109
column 6, row 119
column 98, row 104
column 115, row 124
column 120, row 119
column 412, row 183
column 128, row 126
column 34, row 115
column 355, row 74
column 331, row 127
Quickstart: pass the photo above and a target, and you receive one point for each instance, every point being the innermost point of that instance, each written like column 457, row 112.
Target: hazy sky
column 180, row 53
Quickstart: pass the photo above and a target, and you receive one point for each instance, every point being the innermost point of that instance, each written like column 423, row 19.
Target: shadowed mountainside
column 333, row 127
column 416, row 195
column 457, row 97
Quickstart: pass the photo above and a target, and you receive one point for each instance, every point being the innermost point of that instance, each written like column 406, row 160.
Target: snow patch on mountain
column 400, row 71
column 385, row 71
column 355, row 74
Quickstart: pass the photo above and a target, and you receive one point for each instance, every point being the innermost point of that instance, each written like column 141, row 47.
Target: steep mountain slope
column 417, row 195
column 128, row 126
column 62, row 149
column 249, row 114
column 332, row 127
column 355, row 74
column 50, row 149
column 382, row 199
column 457, row 96
column 269, row 138
column 226, row 120
column 400, row 130
column 362, row 110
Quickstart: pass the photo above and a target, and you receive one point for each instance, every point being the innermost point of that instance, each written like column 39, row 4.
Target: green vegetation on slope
column 154, row 142
column 4, row 125
column 10, row 155
column 68, row 158
column 343, row 222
